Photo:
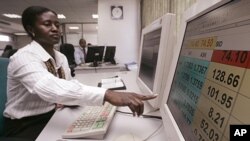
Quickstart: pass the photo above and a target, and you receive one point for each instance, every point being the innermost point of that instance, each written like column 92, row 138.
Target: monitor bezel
column 167, row 40
column 201, row 7
column 109, row 49
column 94, row 47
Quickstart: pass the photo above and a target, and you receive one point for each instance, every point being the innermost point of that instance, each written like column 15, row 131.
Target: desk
column 104, row 67
column 121, row 124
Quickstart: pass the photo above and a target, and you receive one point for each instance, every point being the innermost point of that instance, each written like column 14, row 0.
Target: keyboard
column 93, row 123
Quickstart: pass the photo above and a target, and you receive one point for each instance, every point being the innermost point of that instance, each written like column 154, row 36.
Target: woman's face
column 46, row 29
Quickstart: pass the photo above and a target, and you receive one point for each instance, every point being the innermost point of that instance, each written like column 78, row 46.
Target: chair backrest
column 3, row 85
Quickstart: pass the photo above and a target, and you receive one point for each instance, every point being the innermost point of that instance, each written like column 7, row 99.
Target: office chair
column 3, row 79
column 68, row 50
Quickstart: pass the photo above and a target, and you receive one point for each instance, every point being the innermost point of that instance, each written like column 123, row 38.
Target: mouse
column 128, row 137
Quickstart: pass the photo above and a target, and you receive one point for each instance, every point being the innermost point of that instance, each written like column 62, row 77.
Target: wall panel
column 153, row 9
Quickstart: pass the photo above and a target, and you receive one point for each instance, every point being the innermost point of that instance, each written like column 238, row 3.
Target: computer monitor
column 157, row 42
column 208, row 84
column 110, row 54
column 94, row 54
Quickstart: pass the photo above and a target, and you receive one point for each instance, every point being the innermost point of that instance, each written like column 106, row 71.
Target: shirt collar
column 41, row 52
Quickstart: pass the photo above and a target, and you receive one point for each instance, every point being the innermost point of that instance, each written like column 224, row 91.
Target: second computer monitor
column 110, row 54
column 156, row 50
column 94, row 54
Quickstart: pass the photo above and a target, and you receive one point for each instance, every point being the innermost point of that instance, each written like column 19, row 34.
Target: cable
column 150, row 116
column 144, row 116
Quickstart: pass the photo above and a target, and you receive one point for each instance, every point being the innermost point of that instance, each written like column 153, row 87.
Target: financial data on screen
column 211, row 85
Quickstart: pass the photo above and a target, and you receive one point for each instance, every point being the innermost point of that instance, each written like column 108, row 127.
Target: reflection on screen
column 210, row 89
column 150, row 48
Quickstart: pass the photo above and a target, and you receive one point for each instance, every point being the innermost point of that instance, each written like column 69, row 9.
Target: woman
column 39, row 77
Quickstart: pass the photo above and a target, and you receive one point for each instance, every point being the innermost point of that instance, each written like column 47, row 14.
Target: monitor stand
column 94, row 64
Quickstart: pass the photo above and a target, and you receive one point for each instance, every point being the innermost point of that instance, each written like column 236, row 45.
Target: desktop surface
column 120, row 125
column 100, row 66
column 128, row 137
column 104, row 67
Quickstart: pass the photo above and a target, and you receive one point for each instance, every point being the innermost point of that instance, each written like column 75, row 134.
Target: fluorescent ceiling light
column 14, row 16
column 95, row 16
column 20, row 33
column 4, row 38
column 61, row 16
column 73, row 27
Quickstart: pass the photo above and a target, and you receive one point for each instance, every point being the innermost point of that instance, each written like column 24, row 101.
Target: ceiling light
column 61, row 16
column 4, row 38
column 95, row 16
column 20, row 33
column 14, row 16
column 73, row 27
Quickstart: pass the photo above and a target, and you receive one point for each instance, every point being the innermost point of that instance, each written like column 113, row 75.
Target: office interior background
column 123, row 33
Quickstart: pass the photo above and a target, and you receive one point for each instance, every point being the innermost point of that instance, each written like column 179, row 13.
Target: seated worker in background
column 68, row 50
column 80, row 52
column 6, row 51
column 39, row 76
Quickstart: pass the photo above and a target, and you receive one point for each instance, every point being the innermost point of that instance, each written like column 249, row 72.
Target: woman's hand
column 132, row 100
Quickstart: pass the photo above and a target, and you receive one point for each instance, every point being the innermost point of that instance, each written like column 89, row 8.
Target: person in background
column 68, row 50
column 39, row 76
column 6, row 51
column 80, row 52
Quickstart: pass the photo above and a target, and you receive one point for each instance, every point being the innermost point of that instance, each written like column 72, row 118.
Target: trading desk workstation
column 121, row 124
column 202, row 82
column 100, row 59
column 104, row 67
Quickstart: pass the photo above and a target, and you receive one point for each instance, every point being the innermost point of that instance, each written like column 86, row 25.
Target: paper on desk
column 114, row 82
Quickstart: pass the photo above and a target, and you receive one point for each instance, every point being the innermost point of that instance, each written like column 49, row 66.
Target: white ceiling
column 76, row 11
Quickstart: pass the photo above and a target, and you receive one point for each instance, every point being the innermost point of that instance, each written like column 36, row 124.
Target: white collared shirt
column 32, row 90
column 79, row 56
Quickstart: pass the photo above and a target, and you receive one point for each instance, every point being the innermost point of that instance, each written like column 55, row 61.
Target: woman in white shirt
column 39, row 77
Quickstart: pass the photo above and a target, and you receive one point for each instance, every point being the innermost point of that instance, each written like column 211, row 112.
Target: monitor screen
column 109, row 54
column 210, row 86
column 149, row 56
column 94, row 53
column 157, row 42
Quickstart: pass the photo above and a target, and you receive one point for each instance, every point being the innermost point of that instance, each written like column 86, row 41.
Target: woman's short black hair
column 30, row 14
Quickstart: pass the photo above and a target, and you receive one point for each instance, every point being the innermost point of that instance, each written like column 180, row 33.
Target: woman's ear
column 30, row 31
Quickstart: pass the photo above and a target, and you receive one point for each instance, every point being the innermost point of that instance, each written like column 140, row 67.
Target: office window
column 73, row 32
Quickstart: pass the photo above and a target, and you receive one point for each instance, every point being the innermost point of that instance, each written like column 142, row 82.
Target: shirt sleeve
column 33, row 75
